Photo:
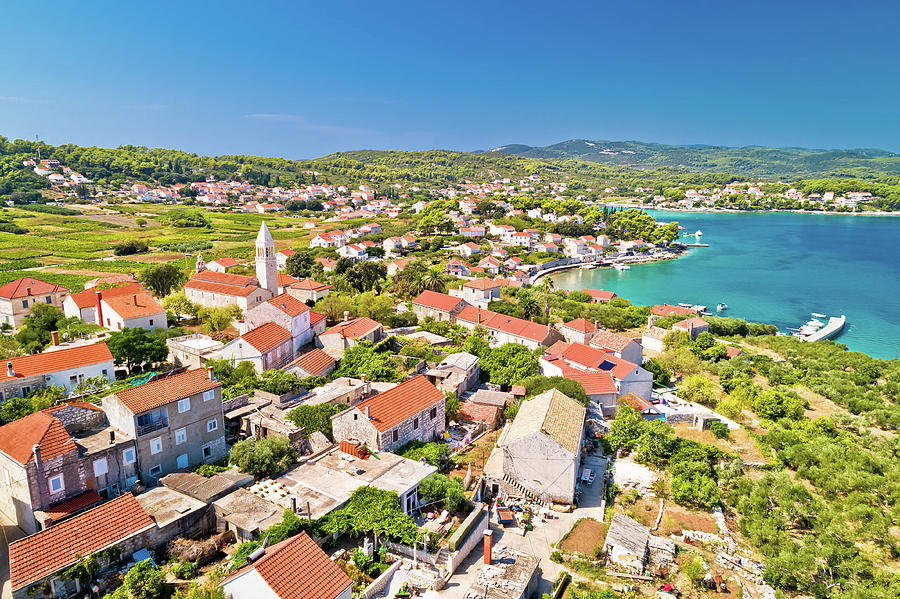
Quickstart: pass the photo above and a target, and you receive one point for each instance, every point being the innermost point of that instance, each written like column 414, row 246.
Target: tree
column 626, row 428
column 19, row 407
column 451, row 407
column 699, row 389
column 509, row 364
column 694, row 569
column 163, row 278
column 143, row 581
column 661, row 374
column 364, row 359
column 450, row 494
column 315, row 418
column 43, row 319
column 539, row 383
column 136, row 347
column 263, row 457
column 300, row 264
column 374, row 305
column 179, row 305
column 333, row 307
column 187, row 218
column 215, row 320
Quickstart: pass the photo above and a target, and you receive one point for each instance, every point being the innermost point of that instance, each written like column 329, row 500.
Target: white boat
column 698, row 233
column 684, row 304
column 721, row 306
column 817, row 315
column 621, row 267
column 818, row 324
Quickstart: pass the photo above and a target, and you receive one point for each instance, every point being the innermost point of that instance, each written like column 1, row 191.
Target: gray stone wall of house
column 428, row 428
column 13, row 387
column 15, row 494
column 541, row 466
column 352, row 424
column 77, row 418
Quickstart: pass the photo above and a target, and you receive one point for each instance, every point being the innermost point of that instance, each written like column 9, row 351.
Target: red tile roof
column 315, row 318
column 226, row 262
column 76, row 504
column 310, row 285
column 732, row 352
column 610, row 341
column 164, row 390
column 594, row 382
column 476, row 412
column 134, row 305
column 314, row 362
column 88, row 298
column 353, row 328
column 55, row 361
column 482, row 283
column 221, row 288
column 403, row 401
column 581, row 324
column 510, row 325
column 289, row 304
column 265, row 337
column 297, row 568
column 669, row 310
column 40, row 428
column 635, row 401
column 224, row 278
column 20, row 287
column 600, row 295
column 438, row 301
column 694, row 322
column 37, row 556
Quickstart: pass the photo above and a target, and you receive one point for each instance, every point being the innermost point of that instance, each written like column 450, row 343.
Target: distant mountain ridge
column 757, row 161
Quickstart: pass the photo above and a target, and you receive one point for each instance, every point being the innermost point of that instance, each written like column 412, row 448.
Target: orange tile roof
column 37, row 556
column 224, row 278
column 288, row 304
column 635, row 401
column 403, row 401
column 20, row 287
column 109, row 280
column 267, row 336
column 55, row 361
column 437, row 301
column 40, row 428
column 161, row 391
column 669, row 310
column 314, row 361
column 611, row 341
column 315, row 318
column 600, row 294
column 505, row 324
column 297, row 568
column 482, row 283
column 135, row 305
column 226, row 262
column 591, row 358
column 88, row 298
column 594, row 382
column 77, row 503
column 310, row 285
column 221, row 288
column 286, row 280
column 475, row 412
column 353, row 328
column 581, row 324
column 695, row 322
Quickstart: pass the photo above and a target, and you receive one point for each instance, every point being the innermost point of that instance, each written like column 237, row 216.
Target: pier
column 832, row 329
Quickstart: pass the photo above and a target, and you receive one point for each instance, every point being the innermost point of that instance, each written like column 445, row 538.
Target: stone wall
column 428, row 428
column 353, row 424
column 78, row 418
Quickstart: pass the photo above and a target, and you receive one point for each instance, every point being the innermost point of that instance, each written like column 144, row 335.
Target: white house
column 266, row 347
column 132, row 311
column 66, row 368
column 286, row 311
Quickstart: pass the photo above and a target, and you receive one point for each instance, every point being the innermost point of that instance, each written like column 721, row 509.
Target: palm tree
column 433, row 280
column 546, row 288
column 529, row 306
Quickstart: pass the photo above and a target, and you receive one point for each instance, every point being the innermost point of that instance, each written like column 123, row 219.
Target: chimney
column 9, row 370
column 36, row 450
column 362, row 377
column 112, row 437
column 368, row 412
column 99, row 308
column 54, row 335
column 134, row 299
column 28, row 291
column 488, row 546
column 210, row 373
column 294, row 504
column 346, row 315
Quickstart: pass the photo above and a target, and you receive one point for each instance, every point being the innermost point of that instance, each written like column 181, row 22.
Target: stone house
column 177, row 421
column 308, row 290
column 312, row 363
column 619, row 345
column 501, row 328
column 58, row 461
column 541, row 448
column 457, row 373
column 17, row 298
column 411, row 411
column 438, row 306
column 214, row 290
column 692, row 326
column 65, row 368
column 40, row 559
column 193, row 350
column 563, row 359
column 627, row 544
column 286, row 311
column 349, row 333
column 266, row 347
column 131, row 311
column 579, row 330
column 600, row 387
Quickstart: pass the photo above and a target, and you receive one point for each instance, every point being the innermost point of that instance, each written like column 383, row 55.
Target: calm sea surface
column 777, row 268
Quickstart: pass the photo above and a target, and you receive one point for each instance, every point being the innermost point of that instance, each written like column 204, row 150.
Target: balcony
column 153, row 425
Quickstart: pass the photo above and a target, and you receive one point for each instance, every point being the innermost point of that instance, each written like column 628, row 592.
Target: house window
column 128, row 456
column 180, row 436
column 396, row 436
column 49, row 299
column 182, row 461
column 151, row 322
column 212, row 425
column 415, row 424
column 207, row 395
column 73, row 380
column 56, row 484
column 156, row 470
column 207, row 452
column 100, row 467
column 184, row 405
column 155, row 445
column 24, row 303
column 104, row 372
column 433, row 413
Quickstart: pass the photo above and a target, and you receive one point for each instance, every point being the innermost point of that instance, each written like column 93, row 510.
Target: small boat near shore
column 721, row 306
column 816, row 330
column 620, row 267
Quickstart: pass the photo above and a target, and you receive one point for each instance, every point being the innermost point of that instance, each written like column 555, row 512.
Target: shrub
column 719, row 429
column 184, row 570
column 263, row 457
column 131, row 246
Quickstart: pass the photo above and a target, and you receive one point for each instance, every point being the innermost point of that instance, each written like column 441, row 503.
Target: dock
column 832, row 329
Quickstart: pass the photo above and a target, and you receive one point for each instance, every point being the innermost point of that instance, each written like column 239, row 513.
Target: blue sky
column 301, row 79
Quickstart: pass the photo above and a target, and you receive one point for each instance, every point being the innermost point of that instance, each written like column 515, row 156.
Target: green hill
column 748, row 161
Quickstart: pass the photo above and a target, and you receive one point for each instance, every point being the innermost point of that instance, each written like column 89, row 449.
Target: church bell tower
column 266, row 264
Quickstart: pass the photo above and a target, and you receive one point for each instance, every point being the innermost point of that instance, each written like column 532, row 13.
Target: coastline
column 579, row 265
column 735, row 211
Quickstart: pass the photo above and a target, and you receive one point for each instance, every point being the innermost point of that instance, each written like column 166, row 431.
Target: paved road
column 8, row 532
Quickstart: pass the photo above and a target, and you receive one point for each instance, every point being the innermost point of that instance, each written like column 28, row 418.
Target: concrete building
column 17, row 298
column 177, row 421
column 193, row 350
column 600, row 388
column 541, row 448
column 295, row 568
column 286, row 311
column 438, row 306
column 67, row 368
column 411, row 411
column 478, row 292
column 266, row 347
column 222, row 264
column 58, row 461
column 564, row 359
column 131, row 311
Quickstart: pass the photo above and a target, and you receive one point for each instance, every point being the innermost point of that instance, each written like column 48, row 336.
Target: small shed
column 627, row 544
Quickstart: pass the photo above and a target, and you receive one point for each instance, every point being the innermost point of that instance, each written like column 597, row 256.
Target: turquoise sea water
column 777, row 268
